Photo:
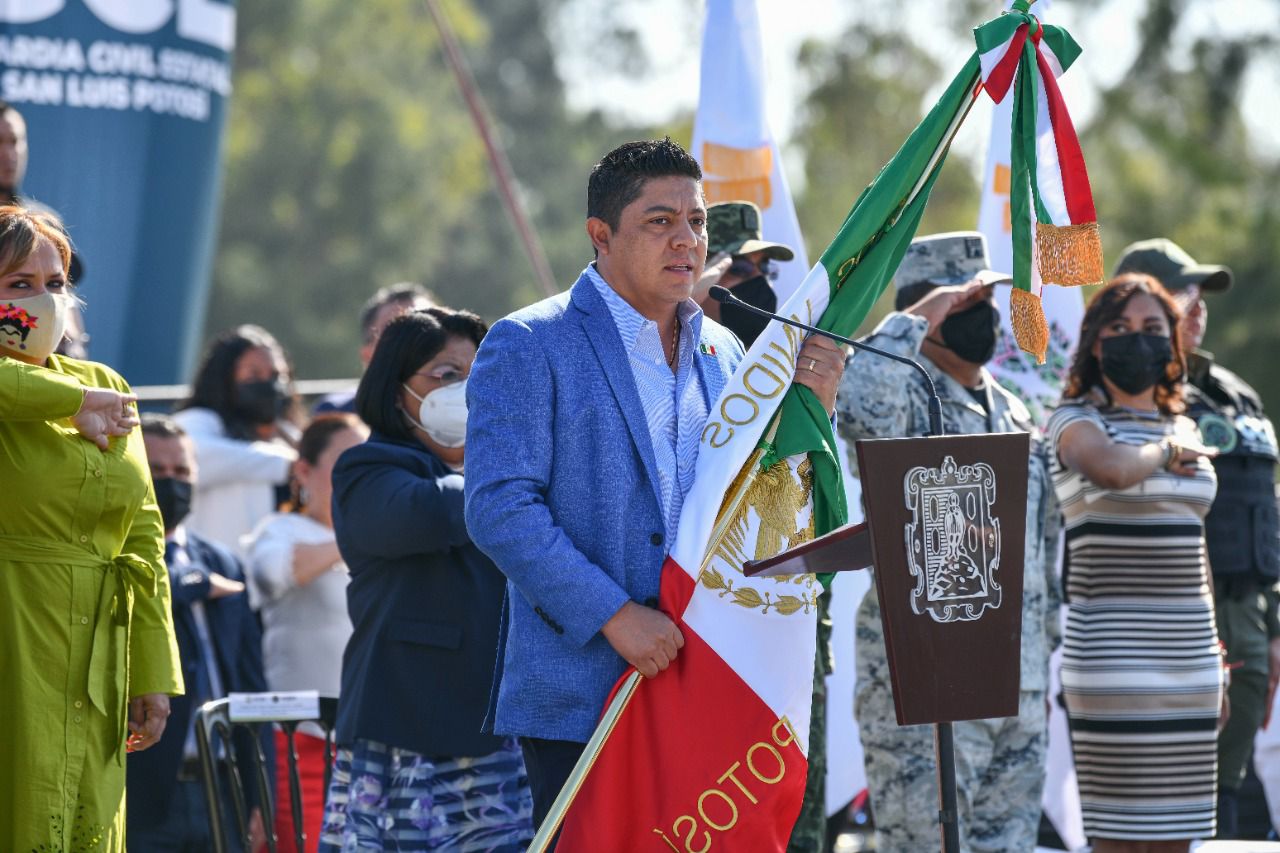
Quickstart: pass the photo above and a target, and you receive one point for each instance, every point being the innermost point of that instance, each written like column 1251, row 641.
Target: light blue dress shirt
column 675, row 406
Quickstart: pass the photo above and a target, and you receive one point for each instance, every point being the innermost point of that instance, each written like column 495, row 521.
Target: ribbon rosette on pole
column 713, row 752
column 1049, row 185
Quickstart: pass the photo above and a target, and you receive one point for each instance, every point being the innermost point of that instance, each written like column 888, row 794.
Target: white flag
column 731, row 136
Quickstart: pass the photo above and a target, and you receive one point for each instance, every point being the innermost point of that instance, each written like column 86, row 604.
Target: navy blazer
column 562, row 492
column 237, row 644
column 425, row 603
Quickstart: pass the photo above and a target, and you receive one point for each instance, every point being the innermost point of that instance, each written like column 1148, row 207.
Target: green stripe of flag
column 996, row 32
column 859, row 263
column 1062, row 44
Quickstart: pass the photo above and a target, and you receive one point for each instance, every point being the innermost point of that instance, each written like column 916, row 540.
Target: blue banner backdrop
column 125, row 102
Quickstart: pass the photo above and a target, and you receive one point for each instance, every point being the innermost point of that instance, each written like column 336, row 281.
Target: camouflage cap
column 952, row 258
column 734, row 227
column 1166, row 262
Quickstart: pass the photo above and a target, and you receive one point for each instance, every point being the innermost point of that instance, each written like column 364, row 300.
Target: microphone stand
column 725, row 296
column 943, row 734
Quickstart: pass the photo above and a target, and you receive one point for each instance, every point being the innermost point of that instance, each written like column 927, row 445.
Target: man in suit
column 586, row 414
column 221, row 649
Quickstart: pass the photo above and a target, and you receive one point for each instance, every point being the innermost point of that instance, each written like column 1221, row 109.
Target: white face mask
column 442, row 414
column 33, row 325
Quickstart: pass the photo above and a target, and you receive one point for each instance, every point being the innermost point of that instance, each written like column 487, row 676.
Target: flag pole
column 941, row 151
column 551, row 825
column 503, row 176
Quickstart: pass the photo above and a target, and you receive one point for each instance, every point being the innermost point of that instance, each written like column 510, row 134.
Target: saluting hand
column 717, row 265
column 105, row 413
column 644, row 637
column 1187, row 456
column 942, row 302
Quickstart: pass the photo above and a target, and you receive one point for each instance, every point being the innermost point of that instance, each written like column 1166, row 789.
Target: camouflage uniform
column 1000, row 762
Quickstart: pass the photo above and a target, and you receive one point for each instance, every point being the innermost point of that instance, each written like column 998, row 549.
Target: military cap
column 1166, row 262
column 734, row 227
column 951, row 258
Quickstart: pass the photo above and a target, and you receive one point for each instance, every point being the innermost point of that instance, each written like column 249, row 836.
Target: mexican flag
column 712, row 753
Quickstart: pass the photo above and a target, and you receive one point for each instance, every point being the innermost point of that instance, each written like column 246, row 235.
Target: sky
column 672, row 32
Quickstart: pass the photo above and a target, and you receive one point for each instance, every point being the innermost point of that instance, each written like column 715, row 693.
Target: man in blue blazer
column 220, row 645
column 586, row 411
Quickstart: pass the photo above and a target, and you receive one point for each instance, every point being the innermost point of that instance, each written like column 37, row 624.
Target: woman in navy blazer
column 414, row 771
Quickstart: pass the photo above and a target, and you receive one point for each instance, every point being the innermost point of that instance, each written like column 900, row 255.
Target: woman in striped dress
column 1141, row 670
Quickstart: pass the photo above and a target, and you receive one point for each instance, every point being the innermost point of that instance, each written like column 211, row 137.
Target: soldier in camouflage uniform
column 947, row 320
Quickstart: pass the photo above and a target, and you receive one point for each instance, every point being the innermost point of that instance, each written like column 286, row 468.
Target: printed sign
column 277, row 705
column 124, row 102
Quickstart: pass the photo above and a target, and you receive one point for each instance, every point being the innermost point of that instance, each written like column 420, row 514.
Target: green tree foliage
column 352, row 163
column 1170, row 156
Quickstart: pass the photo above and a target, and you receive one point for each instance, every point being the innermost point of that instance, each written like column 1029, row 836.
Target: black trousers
column 549, row 764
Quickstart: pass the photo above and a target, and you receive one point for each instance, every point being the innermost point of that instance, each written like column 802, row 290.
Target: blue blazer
column 562, row 493
column 424, row 601
column 237, row 645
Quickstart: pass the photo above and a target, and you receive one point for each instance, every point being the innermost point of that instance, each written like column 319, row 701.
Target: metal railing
column 306, row 388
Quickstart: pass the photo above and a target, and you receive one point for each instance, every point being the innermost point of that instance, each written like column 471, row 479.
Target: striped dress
column 1140, row 670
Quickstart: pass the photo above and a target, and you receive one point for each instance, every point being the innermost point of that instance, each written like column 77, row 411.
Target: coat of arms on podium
column 953, row 540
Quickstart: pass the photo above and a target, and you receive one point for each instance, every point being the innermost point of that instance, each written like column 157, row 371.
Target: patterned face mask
column 33, row 326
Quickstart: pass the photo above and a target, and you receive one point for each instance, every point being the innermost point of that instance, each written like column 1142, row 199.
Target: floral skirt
column 385, row 798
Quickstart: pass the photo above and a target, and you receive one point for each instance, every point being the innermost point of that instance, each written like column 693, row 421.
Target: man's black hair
column 911, row 294
column 408, row 342
column 406, row 291
column 618, row 179
column 161, row 426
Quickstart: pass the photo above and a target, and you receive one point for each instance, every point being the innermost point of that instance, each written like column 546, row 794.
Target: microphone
column 724, row 296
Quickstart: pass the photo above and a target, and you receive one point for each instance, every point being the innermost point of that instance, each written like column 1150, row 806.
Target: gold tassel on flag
column 1069, row 255
column 1029, row 325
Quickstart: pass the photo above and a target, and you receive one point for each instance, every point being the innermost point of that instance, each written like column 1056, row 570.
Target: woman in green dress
column 87, row 651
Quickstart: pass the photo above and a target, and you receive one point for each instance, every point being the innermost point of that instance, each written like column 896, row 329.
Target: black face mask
column 261, row 402
column 174, row 498
column 971, row 333
column 1136, row 361
column 746, row 325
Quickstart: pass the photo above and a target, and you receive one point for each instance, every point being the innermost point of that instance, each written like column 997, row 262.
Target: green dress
column 85, row 619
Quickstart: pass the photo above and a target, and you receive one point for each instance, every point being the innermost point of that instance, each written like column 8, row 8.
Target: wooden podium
column 948, row 530
column 946, row 533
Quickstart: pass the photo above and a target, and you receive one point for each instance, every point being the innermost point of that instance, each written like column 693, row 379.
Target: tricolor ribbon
column 1049, row 185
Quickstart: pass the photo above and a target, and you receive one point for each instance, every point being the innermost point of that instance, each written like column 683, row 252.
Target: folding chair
column 214, row 718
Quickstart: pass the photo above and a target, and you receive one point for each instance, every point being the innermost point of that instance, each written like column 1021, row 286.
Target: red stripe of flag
column 1075, row 177
column 697, row 762
column 1001, row 77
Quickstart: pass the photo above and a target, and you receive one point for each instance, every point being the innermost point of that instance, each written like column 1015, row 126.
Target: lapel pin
column 707, row 349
